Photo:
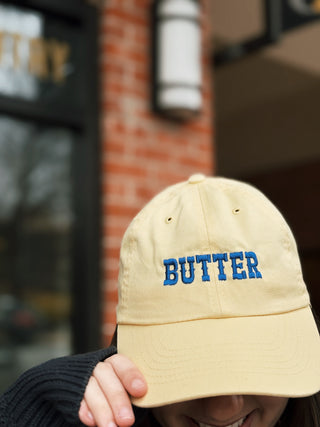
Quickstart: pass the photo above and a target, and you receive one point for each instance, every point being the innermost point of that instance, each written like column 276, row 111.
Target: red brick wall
column 141, row 153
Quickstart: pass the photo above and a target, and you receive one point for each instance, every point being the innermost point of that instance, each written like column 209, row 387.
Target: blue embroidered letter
column 182, row 262
column 171, row 273
column 220, row 258
column 204, row 259
column 252, row 262
column 242, row 274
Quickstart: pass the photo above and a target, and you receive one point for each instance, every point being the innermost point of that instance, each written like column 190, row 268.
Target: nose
column 223, row 408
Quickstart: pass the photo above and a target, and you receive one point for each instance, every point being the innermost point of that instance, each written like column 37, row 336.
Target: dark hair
column 305, row 411
column 302, row 412
column 114, row 340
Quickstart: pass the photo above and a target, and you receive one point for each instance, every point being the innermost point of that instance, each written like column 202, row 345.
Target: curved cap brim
column 275, row 355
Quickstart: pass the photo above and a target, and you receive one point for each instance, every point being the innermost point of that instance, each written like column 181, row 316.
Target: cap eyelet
column 235, row 211
column 169, row 219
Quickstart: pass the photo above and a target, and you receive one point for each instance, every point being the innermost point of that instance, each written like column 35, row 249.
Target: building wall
column 141, row 152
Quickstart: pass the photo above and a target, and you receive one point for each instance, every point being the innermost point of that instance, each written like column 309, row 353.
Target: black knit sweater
column 49, row 395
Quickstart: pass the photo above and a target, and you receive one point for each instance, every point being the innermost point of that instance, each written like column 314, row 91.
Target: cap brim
column 263, row 355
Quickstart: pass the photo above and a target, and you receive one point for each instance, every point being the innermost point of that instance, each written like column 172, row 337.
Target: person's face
column 223, row 411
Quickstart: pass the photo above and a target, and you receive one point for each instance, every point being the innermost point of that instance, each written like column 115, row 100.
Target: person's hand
column 106, row 401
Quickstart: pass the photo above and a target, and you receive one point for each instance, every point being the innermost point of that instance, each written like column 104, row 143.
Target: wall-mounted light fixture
column 177, row 78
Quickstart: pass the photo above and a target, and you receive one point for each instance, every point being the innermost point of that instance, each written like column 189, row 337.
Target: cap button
column 196, row 178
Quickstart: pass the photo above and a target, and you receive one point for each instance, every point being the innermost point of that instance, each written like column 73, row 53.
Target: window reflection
column 40, row 57
column 35, row 244
column 17, row 28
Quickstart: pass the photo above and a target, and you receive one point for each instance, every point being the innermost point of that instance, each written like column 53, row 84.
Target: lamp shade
column 178, row 49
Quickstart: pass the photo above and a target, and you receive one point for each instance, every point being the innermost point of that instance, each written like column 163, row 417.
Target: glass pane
column 35, row 244
column 41, row 58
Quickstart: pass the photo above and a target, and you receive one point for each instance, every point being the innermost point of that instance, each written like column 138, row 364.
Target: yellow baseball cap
column 212, row 299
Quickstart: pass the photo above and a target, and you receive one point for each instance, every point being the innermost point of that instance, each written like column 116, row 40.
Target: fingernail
column 112, row 424
column 125, row 413
column 137, row 384
column 90, row 415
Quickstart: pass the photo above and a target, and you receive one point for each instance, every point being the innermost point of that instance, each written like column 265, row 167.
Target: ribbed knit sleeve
column 50, row 394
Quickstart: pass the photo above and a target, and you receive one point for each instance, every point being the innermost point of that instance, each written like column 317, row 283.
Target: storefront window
column 49, row 183
column 36, row 218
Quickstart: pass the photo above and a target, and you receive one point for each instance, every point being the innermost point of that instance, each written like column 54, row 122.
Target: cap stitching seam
column 209, row 245
column 128, row 266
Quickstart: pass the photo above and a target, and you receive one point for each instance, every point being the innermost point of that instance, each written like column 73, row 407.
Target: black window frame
column 86, row 319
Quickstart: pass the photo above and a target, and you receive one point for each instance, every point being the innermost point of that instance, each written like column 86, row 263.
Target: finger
column 85, row 415
column 129, row 375
column 115, row 393
column 98, row 405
